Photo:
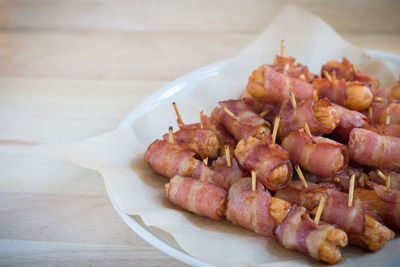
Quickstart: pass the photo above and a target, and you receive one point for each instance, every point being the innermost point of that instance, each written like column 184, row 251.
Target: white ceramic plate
column 180, row 86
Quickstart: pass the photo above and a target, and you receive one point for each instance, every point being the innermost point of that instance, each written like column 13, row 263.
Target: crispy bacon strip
column 362, row 229
column 348, row 120
column 246, row 123
column 287, row 66
column 369, row 148
column 394, row 178
column 353, row 95
column 269, row 161
column 274, row 87
column 174, row 159
column 250, row 209
column 321, row 117
column 204, row 199
column 231, row 174
column 203, row 141
column 346, row 70
column 389, row 93
column 316, row 154
column 299, row 232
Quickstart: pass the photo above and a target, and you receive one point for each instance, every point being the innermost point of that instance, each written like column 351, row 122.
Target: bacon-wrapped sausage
column 346, row 70
column 369, row 148
column 392, row 110
column 353, row 95
column 316, row 154
column 245, row 122
column 385, row 204
column 231, row 174
column 274, row 87
column 204, row 141
column 348, row 119
column 287, row 66
column 389, row 93
column 250, row 209
column 320, row 115
column 269, row 161
column 172, row 159
column 224, row 137
column 362, row 229
column 204, row 199
column 299, row 232
column 341, row 180
column 394, row 178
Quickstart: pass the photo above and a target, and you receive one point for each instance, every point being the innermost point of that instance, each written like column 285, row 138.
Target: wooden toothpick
column 328, row 77
column 379, row 99
column 170, row 135
column 302, row 77
column 265, row 112
column 351, row 191
column 307, row 129
column 253, row 181
column 275, row 130
column 387, row 120
column 301, row 176
column 178, row 115
column 205, row 161
column 201, row 123
column 319, row 210
column 282, row 48
column 388, row 183
column 370, row 111
column 229, row 113
column 228, row 156
column 203, row 176
column 293, row 100
column 354, row 67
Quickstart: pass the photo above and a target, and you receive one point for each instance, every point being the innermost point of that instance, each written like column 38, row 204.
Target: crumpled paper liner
column 118, row 155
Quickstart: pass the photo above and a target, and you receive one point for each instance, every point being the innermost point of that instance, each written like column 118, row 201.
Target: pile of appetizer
column 340, row 133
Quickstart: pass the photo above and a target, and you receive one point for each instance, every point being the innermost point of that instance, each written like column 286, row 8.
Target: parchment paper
column 118, row 155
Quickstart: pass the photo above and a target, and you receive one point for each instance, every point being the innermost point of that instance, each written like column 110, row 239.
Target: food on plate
column 372, row 149
column 316, row 154
column 341, row 129
column 269, row 161
column 349, row 72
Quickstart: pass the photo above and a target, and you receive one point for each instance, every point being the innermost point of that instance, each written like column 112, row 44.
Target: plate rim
column 152, row 101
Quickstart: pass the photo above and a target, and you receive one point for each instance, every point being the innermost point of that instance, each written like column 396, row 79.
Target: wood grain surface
column 70, row 70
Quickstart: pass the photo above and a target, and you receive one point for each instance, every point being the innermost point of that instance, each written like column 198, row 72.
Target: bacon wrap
column 258, row 105
column 204, row 199
column 394, row 178
column 341, row 180
column 249, row 208
column 247, row 123
column 172, row 159
column 348, row 120
column 316, row 154
column 294, row 119
column 390, row 212
column 337, row 94
column 285, row 65
column 269, row 161
column 345, row 70
column 369, row 148
column 393, row 109
column 224, row 137
column 231, row 174
column 299, row 232
column 274, row 87
column 336, row 211
column 385, row 129
column 389, row 94
column 204, row 141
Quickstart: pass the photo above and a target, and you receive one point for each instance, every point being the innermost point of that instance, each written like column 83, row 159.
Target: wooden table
column 70, row 70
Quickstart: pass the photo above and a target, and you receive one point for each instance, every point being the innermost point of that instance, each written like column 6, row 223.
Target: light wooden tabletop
column 70, row 70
